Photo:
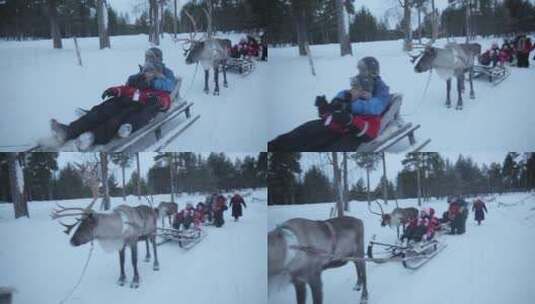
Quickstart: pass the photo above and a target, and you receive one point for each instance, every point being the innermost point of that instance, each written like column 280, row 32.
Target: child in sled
column 126, row 109
column 352, row 118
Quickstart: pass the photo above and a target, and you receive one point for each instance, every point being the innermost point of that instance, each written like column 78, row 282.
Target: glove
column 111, row 92
column 322, row 105
column 138, row 81
column 343, row 118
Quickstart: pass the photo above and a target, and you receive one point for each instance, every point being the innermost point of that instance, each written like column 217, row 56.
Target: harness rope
column 67, row 297
column 417, row 108
column 192, row 80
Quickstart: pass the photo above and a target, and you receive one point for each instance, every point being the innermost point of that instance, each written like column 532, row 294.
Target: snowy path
column 491, row 263
column 229, row 264
column 39, row 83
column 499, row 119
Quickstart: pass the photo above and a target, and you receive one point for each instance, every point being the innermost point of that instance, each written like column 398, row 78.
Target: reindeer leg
column 317, row 288
column 448, row 90
column 206, row 76
column 122, row 277
column 300, row 291
column 460, row 89
column 470, row 77
column 156, row 265
column 147, row 254
column 216, row 80
column 364, row 281
column 135, row 281
column 225, row 83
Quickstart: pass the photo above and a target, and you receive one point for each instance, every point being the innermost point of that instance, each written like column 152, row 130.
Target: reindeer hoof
column 364, row 301
column 156, row 267
column 472, row 96
column 216, row 93
column 121, row 281
column 134, row 284
column 357, row 287
column 147, row 259
column 206, row 91
column 225, row 85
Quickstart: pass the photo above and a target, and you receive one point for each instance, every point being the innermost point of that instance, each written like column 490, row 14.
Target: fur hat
column 369, row 66
column 154, row 54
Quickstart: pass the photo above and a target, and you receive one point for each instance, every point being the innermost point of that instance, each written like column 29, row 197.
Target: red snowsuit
column 164, row 100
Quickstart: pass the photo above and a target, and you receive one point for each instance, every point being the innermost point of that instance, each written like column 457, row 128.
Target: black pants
column 105, row 119
column 314, row 136
column 522, row 60
column 264, row 53
column 218, row 218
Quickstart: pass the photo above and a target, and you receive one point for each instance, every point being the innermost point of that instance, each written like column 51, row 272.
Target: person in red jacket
column 523, row 46
column 479, row 209
column 126, row 109
column 236, row 203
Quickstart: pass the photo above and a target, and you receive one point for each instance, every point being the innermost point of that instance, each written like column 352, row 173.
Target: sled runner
column 412, row 256
column 155, row 136
column 185, row 239
column 393, row 130
column 240, row 66
column 495, row 75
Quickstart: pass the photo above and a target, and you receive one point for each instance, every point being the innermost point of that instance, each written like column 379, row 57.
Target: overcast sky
column 393, row 164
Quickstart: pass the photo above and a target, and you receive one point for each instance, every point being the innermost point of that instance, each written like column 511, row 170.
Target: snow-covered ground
column 40, row 83
column 228, row 265
column 491, row 263
column 499, row 119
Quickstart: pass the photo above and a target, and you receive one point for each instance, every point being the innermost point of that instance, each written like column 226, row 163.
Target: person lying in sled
column 422, row 228
column 126, row 109
column 352, row 118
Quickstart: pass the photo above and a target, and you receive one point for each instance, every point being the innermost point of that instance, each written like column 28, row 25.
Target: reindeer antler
column 373, row 212
column 68, row 227
column 58, row 213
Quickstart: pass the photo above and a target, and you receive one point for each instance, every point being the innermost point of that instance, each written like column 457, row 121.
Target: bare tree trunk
column 418, row 181
column 102, row 20
column 16, row 181
column 138, row 185
column 104, row 170
column 175, row 19
column 154, row 35
column 467, row 17
column 338, row 186
column 385, row 181
column 172, row 176
column 55, row 33
column 407, row 42
column 302, row 38
column 77, row 51
column 368, row 187
column 434, row 20
column 343, row 37
column 346, row 187
column 124, row 184
column 419, row 25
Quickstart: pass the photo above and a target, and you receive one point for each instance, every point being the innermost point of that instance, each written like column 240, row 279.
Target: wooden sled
column 494, row 75
column 155, row 136
column 393, row 130
column 240, row 66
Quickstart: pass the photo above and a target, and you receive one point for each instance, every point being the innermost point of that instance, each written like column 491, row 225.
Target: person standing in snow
column 479, row 209
column 126, row 108
column 523, row 47
column 236, row 203
column 219, row 206
column 352, row 118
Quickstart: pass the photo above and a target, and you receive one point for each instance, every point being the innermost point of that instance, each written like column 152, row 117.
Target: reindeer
column 398, row 216
column 303, row 248
column 452, row 61
column 210, row 52
column 125, row 226
column 167, row 209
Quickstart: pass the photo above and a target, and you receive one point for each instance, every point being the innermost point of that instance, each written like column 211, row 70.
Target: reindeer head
column 85, row 220
column 425, row 63
column 386, row 218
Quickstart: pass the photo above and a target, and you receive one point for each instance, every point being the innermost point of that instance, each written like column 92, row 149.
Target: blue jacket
column 167, row 83
column 376, row 105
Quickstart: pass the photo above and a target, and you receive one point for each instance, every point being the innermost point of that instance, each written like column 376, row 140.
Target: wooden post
column 77, row 51
column 343, row 36
column 310, row 61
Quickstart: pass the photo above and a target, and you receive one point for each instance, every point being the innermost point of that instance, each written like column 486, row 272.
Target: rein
column 68, row 296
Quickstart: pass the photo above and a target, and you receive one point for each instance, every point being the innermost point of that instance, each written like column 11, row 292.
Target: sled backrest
column 392, row 111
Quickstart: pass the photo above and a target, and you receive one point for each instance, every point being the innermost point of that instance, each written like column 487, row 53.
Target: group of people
column 249, row 47
column 517, row 49
column 210, row 211
column 350, row 119
column 427, row 224
column 125, row 108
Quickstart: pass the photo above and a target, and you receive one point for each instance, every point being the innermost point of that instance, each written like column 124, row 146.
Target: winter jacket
column 144, row 96
column 480, row 209
column 167, row 83
column 376, row 105
column 236, row 203
column 220, row 203
column 366, row 124
column 453, row 210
